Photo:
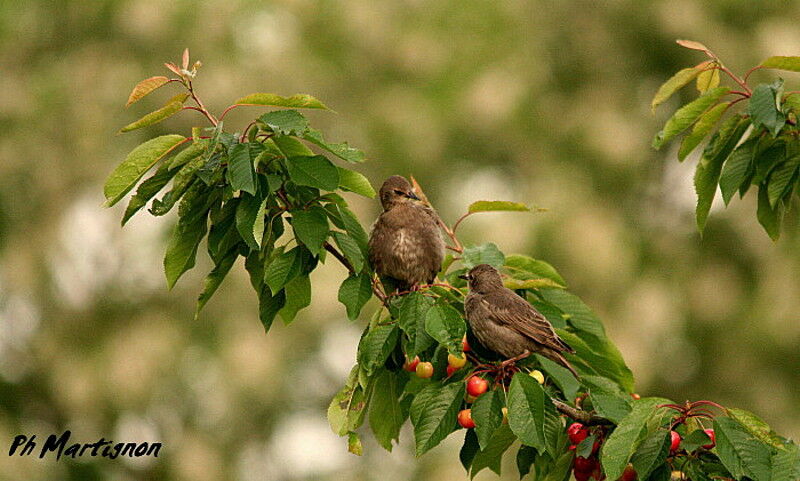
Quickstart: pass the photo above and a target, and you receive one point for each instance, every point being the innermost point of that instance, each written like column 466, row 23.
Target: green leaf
column 310, row 227
column 627, row 436
column 354, row 292
column 246, row 213
column 147, row 189
column 375, row 347
column 285, row 122
column 756, row 426
column 469, row 449
column 354, row 444
column 736, row 170
column 791, row 64
column 483, row 254
column 781, row 177
column 492, row 455
column 488, row 416
column 708, row 79
column 298, row 101
column 269, row 305
column 350, row 249
column 283, row 269
column 740, row 452
column 675, row 83
column 694, row 440
column 341, row 150
column 214, row 279
column 353, row 227
column 445, row 324
column 172, row 107
column 413, row 312
column 291, row 147
column 138, row 161
column 598, row 356
column 298, row 296
column 701, row 129
column 786, row 464
column 240, row 169
column 433, row 414
column 145, row 87
column 348, row 407
column 526, row 411
column 355, row 182
column 564, row 379
column 687, row 115
column 516, row 284
column 652, row 453
column 526, row 456
column 188, row 232
column 607, row 398
column 182, row 181
column 316, row 171
column 764, row 107
column 770, row 218
column 188, row 154
column 525, row 268
column 386, row 416
column 580, row 316
column 497, row 206
column 708, row 169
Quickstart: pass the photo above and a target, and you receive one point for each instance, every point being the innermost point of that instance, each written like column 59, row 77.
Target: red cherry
column 581, row 475
column 676, row 442
column 465, row 344
column 477, row 386
column 711, row 435
column 629, row 474
column 577, row 432
column 451, row 370
column 584, row 464
column 424, row 370
column 597, row 473
column 635, row 396
column 411, row 366
column 595, row 447
column 465, row 419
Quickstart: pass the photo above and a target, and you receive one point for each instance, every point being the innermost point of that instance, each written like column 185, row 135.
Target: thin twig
column 584, row 417
column 200, row 104
column 338, row 255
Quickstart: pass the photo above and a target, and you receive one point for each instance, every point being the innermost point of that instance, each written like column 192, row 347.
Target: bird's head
column 395, row 191
column 483, row 278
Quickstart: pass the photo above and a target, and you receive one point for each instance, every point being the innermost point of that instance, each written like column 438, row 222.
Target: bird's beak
column 412, row 195
column 464, row 276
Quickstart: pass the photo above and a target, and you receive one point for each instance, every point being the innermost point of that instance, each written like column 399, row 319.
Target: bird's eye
column 399, row 192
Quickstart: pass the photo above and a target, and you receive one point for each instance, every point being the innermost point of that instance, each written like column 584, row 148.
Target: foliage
column 264, row 195
column 756, row 145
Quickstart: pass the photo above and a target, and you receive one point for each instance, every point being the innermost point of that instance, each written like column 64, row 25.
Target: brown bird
column 405, row 245
column 506, row 323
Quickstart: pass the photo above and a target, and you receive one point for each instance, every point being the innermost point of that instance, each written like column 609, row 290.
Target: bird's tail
column 559, row 358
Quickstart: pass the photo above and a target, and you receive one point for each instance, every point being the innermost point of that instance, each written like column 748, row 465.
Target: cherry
column 710, row 433
column 424, row 370
column 477, row 386
column 629, row 474
column 537, row 374
column 465, row 419
column 584, row 464
column 456, row 361
column 577, row 432
column 635, row 396
column 465, row 344
column 676, row 442
column 582, row 475
column 411, row 366
column 451, row 370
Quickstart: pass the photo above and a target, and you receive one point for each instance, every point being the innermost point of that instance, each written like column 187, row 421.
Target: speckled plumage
column 405, row 244
column 506, row 323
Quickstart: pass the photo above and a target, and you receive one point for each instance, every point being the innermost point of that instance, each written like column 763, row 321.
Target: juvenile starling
column 506, row 323
column 405, row 245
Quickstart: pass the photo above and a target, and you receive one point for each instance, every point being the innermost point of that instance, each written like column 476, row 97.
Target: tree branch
column 586, row 418
column 338, row 255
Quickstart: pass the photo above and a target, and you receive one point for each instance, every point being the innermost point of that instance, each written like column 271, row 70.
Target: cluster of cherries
column 424, row 370
column 585, row 467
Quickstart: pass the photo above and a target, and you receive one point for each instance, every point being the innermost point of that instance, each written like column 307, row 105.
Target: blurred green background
column 540, row 102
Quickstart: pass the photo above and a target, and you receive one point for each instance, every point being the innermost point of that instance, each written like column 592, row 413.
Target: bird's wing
column 509, row 309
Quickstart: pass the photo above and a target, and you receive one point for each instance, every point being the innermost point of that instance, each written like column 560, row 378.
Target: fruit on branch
column 424, row 370
column 451, row 370
column 629, row 474
column 465, row 419
column 577, row 432
column 506, row 323
column 465, row 344
column 477, row 385
column 710, row 433
column 537, row 374
column 584, row 464
column 675, row 442
column 411, row 366
column 406, row 246
column 456, row 361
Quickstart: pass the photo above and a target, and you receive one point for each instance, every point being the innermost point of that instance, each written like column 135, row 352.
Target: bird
column 507, row 324
column 405, row 247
